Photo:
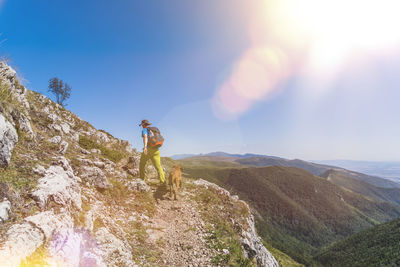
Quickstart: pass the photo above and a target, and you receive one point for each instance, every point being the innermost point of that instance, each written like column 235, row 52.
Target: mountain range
column 299, row 212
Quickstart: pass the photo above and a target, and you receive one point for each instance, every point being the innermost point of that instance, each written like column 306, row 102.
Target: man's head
column 144, row 123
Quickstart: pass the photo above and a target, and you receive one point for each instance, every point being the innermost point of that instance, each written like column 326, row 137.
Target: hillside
column 299, row 213
column 222, row 159
column 377, row 193
column 70, row 197
column 377, row 246
column 388, row 169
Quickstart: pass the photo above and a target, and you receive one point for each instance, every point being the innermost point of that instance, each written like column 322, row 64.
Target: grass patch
column 217, row 211
column 223, row 238
column 5, row 94
column 283, row 259
column 112, row 154
column 97, row 224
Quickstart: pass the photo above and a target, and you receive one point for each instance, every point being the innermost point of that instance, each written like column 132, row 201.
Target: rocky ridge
column 70, row 197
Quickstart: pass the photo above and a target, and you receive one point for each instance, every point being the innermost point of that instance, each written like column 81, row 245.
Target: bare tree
column 61, row 90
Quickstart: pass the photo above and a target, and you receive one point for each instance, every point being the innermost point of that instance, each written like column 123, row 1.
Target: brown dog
column 175, row 180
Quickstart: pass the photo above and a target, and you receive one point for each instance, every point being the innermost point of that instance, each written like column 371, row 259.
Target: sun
column 333, row 29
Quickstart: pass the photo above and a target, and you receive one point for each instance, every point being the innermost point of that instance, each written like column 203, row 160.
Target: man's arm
column 145, row 144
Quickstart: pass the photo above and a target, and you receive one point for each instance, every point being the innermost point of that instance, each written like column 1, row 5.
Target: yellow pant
column 154, row 155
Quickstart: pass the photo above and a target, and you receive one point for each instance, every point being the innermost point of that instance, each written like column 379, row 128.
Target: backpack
column 154, row 138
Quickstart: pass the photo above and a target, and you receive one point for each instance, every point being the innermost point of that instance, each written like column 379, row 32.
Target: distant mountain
column 220, row 154
column 182, row 156
column 341, row 178
column 314, row 168
column 373, row 180
column 377, row 246
column 299, row 212
column 385, row 169
column 216, row 158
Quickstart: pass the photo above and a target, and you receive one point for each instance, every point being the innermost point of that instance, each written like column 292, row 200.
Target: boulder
column 5, row 208
column 8, row 140
column 138, row 185
column 24, row 238
column 113, row 249
column 253, row 246
column 8, row 76
column 65, row 127
column 21, row 241
column 51, row 223
column 251, row 242
column 60, row 185
column 63, row 147
column 95, row 176
column 55, row 139
column 23, row 122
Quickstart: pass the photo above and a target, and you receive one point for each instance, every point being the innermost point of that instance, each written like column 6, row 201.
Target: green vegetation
column 299, row 212
column 5, row 94
column 349, row 182
column 283, row 259
column 222, row 237
column 378, row 246
column 114, row 155
column 217, row 210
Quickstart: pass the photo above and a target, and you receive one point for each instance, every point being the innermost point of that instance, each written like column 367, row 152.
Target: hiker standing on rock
column 152, row 140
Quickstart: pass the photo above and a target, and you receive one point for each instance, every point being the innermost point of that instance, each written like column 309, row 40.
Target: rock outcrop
column 58, row 184
column 5, row 207
column 8, row 140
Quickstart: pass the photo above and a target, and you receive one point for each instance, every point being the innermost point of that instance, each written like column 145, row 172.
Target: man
column 150, row 153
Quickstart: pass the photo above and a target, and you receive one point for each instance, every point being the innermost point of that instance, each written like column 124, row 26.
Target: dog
column 175, row 180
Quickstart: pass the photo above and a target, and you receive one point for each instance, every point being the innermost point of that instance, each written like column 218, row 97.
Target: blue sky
column 166, row 61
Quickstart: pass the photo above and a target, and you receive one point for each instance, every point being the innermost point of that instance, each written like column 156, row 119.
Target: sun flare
column 322, row 35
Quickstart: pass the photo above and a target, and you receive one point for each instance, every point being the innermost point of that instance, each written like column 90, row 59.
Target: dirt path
column 177, row 228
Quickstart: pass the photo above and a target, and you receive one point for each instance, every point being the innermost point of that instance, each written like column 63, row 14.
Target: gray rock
column 8, row 76
column 65, row 127
column 60, row 185
column 133, row 162
column 39, row 170
column 51, row 223
column 251, row 242
column 95, row 151
column 55, row 139
column 137, row 185
column 99, row 164
column 24, row 238
column 21, row 241
column 95, row 176
column 24, row 123
column 8, row 140
column 5, row 208
column 102, row 136
column 133, row 172
column 63, row 147
column 253, row 247
column 55, row 127
column 114, row 250
column 51, row 117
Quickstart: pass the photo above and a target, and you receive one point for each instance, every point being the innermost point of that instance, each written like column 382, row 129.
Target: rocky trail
column 179, row 231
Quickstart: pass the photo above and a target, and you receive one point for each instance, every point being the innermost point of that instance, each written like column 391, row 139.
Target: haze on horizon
column 311, row 81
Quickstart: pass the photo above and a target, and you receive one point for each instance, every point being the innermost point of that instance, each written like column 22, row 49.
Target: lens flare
column 322, row 35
